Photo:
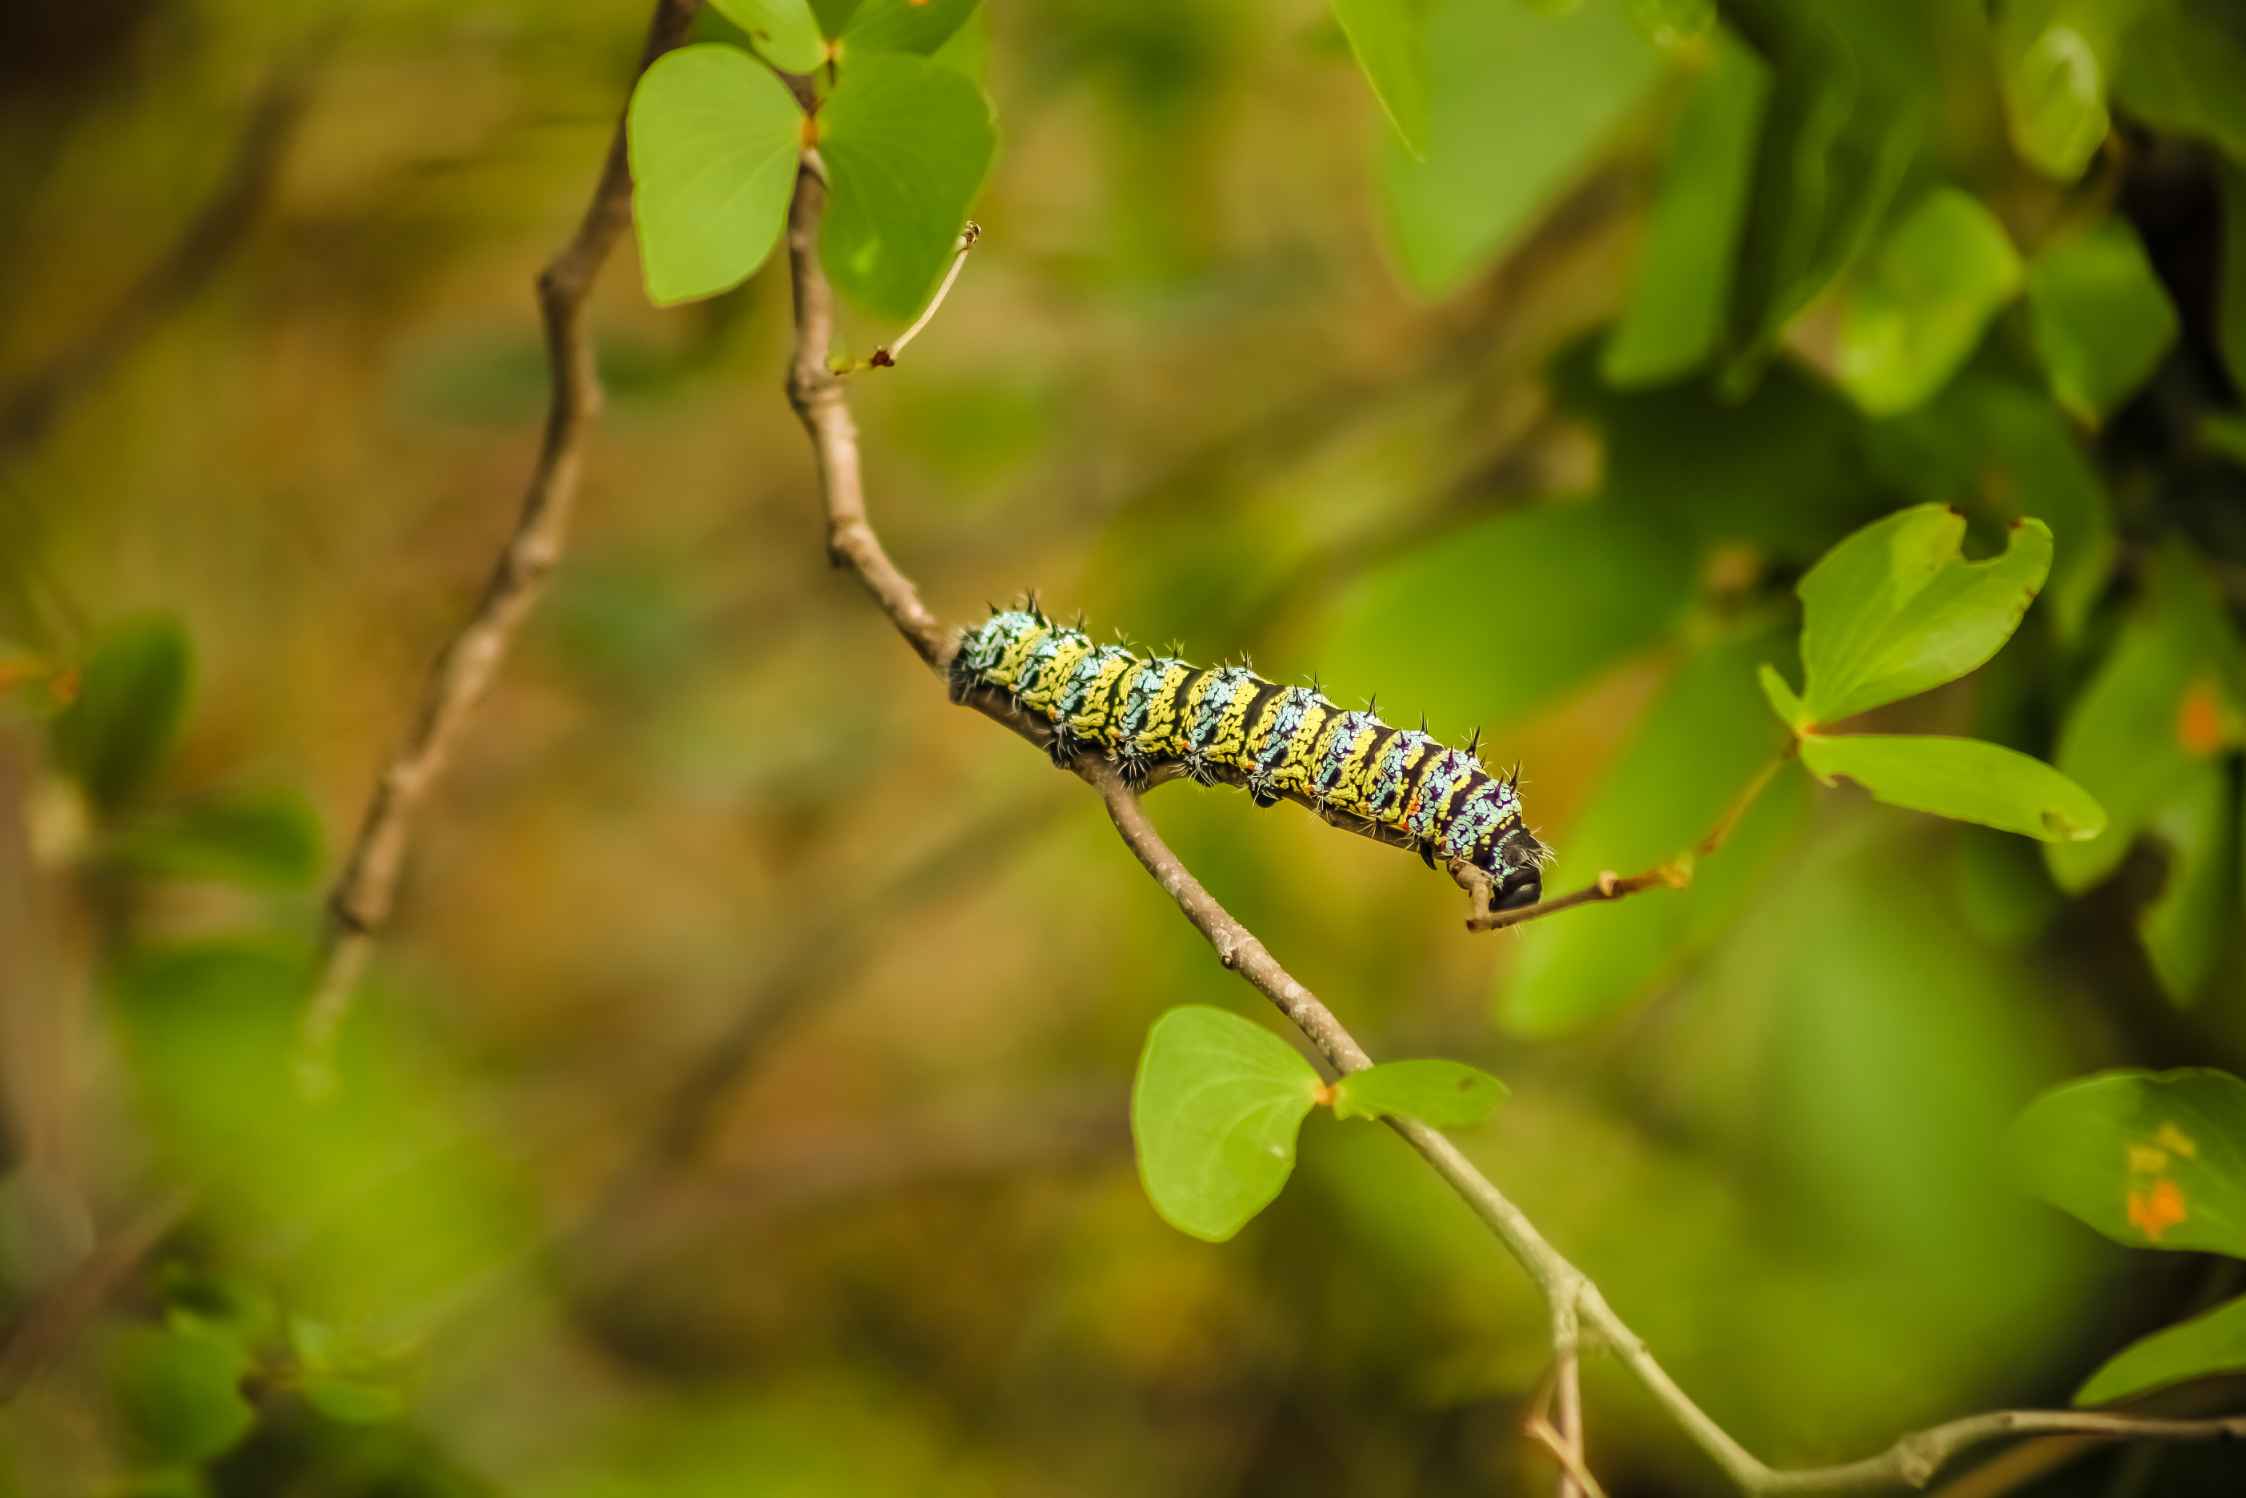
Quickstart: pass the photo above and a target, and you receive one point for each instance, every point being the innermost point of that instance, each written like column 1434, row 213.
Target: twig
column 1911, row 1462
column 364, row 893
column 1671, row 873
column 885, row 357
column 1567, row 1395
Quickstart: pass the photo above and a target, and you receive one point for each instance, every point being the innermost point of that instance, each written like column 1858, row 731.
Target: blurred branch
column 1671, row 873
column 1575, row 1301
column 52, row 1320
column 29, row 411
column 363, row 895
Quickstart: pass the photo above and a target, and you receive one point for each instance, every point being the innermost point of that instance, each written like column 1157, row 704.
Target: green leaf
column 714, row 141
column 2180, row 69
column 917, row 26
column 1923, row 300
column 2213, row 1342
column 1679, row 301
column 1447, row 1094
column 1894, row 610
column 784, row 30
column 2150, row 1159
column 270, row 840
column 179, row 1394
column 1993, row 432
column 1671, row 23
column 1517, row 104
column 1652, row 804
column 2184, row 928
column 131, row 699
column 1385, row 35
column 906, row 142
column 2230, row 297
column 1214, row 1111
column 1781, row 697
column 2054, row 64
column 2099, row 317
column 1966, row 780
column 2166, row 697
column 1836, row 142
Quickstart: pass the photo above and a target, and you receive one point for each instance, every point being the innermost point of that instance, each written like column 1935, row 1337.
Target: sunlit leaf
column 2210, row 1343
column 1517, row 104
column 906, row 143
column 2150, row 1159
column 269, row 839
column 1447, row 1094
column 2100, row 318
column 1214, row 1111
column 2054, row 61
column 1964, row 779
column 1676, row 316
column 1895, row 609
column 2166, row 697
column 1922, row 299
column 714, row 140
column 783, row 30
column 1386, row 36
column 179, row 1394
column 130, row 701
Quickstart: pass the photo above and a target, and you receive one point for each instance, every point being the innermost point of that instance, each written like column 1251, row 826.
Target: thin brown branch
column 1573, row 1298
column 1671, row 873
column 885, row 357
column 362, row 898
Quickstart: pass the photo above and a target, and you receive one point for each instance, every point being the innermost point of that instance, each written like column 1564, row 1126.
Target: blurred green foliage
column 1533, row 404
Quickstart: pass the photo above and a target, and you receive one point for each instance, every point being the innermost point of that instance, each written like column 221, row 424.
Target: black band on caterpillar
column 1225, row 722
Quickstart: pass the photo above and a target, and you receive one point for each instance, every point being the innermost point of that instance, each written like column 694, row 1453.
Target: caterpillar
column 1225, row 723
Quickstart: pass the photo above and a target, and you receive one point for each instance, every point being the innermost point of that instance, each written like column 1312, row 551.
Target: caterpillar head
column 1519, row 871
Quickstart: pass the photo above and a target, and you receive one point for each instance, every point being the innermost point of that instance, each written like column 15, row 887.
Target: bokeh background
column 739, row 1102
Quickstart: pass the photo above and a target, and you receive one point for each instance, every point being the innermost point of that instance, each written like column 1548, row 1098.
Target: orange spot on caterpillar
column 2155, row 1211
column 2199, row 718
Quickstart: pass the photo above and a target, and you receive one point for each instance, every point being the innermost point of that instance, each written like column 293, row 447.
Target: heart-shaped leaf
column 1895, row 610
column 1388, row 39
column 2150, row 1159
column 2211, row 1343
column 1964, row 779
column 1215, row 1111
column 784, row 30
column 906, row 143
column 1447, row 1094
column 714, row 142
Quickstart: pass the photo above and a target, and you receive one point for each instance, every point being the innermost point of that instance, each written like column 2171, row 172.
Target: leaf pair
column 1895, row 610
column 1218, row 1102
column 2152, row 1160
column 716, row 138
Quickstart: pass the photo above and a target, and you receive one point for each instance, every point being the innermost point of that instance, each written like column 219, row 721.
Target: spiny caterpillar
column 1227, row 723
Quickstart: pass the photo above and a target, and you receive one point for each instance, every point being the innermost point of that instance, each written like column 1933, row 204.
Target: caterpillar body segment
column 1227, row 723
